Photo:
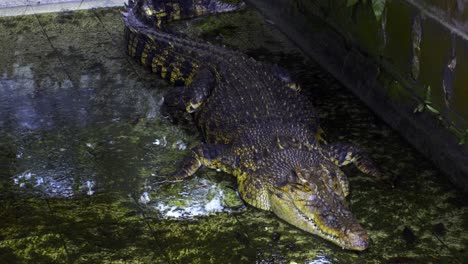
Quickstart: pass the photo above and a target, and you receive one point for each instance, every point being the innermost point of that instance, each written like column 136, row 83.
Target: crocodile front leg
column 343, row 154
column 214, row 156
column 187, row 168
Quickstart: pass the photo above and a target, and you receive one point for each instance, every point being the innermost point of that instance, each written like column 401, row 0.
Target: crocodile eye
column 293, row 177
column 287, row 178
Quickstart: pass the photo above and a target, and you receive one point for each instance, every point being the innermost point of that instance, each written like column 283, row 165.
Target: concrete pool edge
column 27, row 7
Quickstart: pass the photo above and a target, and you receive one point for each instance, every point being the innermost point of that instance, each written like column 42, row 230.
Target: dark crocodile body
column 255, row 122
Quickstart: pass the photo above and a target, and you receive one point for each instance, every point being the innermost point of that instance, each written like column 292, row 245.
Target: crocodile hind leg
column 283, row 75
column 182, row 101
column 159, row 12
column 343, row 154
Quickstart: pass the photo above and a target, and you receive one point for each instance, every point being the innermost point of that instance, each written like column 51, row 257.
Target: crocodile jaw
column 310, row 214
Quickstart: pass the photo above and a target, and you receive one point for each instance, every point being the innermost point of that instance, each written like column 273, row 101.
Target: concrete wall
column 390, row 63
column 28, row 7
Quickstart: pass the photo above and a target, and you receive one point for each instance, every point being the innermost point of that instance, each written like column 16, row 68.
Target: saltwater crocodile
column 256, row 124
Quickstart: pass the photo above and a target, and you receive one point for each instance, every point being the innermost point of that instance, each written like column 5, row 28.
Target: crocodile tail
column 152, row 47
column 159, row 12
column 162, row 58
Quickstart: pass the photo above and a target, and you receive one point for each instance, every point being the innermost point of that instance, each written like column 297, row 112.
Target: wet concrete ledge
column 314, row 28
column 29, row 7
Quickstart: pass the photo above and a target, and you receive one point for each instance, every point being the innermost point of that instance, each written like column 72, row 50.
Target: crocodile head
column 305, row 190
column 307, row 201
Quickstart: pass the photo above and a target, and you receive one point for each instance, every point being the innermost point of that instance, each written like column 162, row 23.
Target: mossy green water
column 84, row 152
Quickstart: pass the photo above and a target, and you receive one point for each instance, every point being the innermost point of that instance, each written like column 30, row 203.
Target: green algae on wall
column 390, row 41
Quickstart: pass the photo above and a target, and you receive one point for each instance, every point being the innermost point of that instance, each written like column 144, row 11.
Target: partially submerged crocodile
column 256, row 124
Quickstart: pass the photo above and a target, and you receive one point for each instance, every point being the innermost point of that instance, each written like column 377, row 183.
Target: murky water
column 83, row 152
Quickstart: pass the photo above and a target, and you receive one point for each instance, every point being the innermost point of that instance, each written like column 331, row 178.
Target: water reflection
column 67, row 135
column 52, row 184
column 27, row 106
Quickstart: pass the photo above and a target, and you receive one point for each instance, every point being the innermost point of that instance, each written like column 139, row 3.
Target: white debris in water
column 321, row 259
column 203, row 200
column 144, row 198
column 39, row 181
column 170, row 211
column 160, row 142
column 215, row 204
column 179, row 144
column 52, row 183
column 177, row 212
column 90, row 185
column 160, row 102
column 91, row 145
column 27, row 176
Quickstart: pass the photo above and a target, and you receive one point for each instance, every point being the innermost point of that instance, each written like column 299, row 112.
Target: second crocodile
column 256, row 124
